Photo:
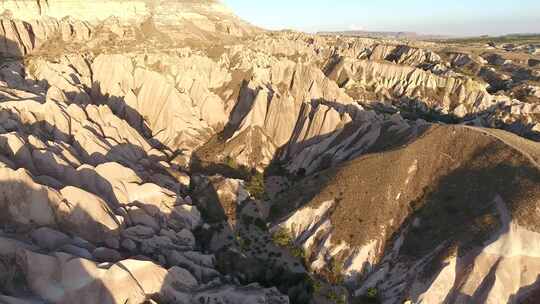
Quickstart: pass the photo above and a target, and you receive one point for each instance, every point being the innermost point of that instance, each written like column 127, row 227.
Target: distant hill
column 383, row 34
column 509, row 38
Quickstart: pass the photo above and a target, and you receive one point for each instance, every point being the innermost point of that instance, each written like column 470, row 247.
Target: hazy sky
column 450, row 17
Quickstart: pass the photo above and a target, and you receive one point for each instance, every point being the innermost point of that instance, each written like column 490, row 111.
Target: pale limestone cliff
column 155, row 156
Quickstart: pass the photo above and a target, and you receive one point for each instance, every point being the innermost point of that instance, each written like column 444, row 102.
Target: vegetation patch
column 283, row 238
column 337, row 298
column 334, row 272
column 255, row 186
column 371, row 296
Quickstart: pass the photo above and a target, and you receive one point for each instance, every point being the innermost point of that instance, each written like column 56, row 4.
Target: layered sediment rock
column 148, row 154
column 28, row 24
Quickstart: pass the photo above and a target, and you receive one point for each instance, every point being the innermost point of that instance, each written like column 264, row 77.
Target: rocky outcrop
column 125, row 281
column 393, row 82
column 149, row 155
column 404, row 54
column 505, row 252
column 407, row 212
column 27, row 207
column 89, row 179
column 109, row 206
column 32, row 23
column 19, row 38
column 147, row 101
column 278, row 108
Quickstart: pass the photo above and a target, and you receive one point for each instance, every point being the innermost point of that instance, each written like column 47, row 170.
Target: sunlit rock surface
column 170, row 152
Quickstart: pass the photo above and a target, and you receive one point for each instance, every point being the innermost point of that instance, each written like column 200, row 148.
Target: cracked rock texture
column 169, row 152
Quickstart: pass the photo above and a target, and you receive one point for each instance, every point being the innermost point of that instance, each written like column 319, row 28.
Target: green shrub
column 230, row 162
column 315, row 285
column 370, row 297
column 298, row 252
column 260, row 223
column 283, row 238
column 336, row 298
column 243, row 243
column 372, row 293
column 336, row 269
column 255, row 186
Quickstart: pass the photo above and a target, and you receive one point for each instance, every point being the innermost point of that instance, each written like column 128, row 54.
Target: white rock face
column 136, row 138
column 412, row 82
column 511, row 253
column 125, row 278
column 28, row 24
column 87, row 214
column 25, row 201
column 128, row 11
column 83, row 10
column 152, row 104
column 22, row 37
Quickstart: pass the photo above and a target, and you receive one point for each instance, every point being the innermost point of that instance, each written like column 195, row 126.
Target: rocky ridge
column 169, row 171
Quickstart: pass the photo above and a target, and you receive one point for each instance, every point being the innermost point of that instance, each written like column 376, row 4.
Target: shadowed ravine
column 170, row 152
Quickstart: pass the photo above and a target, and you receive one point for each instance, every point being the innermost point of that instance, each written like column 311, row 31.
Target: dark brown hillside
column 449, row 177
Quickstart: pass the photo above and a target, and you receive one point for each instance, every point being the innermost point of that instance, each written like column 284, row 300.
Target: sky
column 449, row 17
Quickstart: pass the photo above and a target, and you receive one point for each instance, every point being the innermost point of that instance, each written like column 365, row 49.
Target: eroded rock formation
column 169, row 152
